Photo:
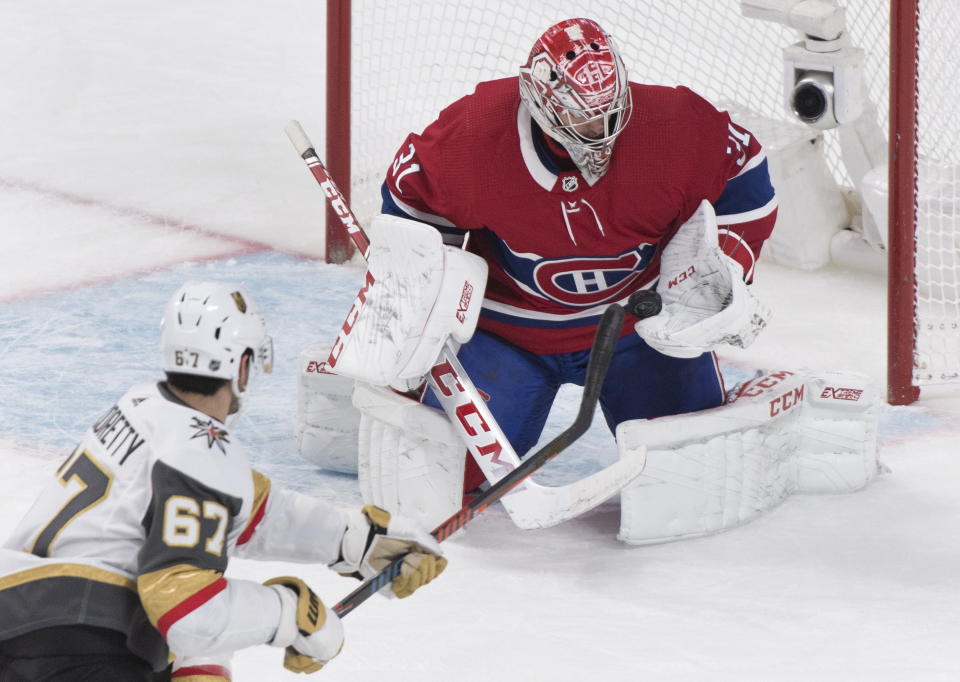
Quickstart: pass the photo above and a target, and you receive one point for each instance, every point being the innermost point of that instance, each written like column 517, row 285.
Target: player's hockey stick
column 530, row 505
column 604, row 342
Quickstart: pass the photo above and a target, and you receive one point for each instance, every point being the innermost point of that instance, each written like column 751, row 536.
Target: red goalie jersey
column 561, row 249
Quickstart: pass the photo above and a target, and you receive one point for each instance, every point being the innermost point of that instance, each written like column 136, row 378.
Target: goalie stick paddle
column 604, row 343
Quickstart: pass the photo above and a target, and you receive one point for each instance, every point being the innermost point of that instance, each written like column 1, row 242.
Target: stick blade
column 537, row 506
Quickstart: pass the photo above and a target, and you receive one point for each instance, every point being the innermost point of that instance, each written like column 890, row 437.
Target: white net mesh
column 937, row 357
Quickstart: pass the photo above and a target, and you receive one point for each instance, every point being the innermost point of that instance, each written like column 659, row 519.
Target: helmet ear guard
column 574, row 80
column 206, row 329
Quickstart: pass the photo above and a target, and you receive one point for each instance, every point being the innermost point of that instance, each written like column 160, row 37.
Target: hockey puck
column 644, row 303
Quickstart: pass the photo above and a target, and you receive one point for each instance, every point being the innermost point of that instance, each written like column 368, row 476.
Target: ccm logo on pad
column 757, row 387
column 788, row 400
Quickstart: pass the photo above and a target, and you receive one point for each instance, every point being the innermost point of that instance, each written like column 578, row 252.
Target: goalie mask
column 206, row 329
column 575, row 87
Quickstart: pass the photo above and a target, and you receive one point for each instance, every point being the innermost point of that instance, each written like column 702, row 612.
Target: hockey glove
column 373, row 540
column 706, row 303
column 311, row 632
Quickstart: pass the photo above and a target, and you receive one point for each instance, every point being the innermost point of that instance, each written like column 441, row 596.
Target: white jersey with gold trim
column 136, row 530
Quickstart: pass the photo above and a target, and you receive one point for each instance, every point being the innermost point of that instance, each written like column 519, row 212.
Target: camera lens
column 812, row 99
column 809, row 102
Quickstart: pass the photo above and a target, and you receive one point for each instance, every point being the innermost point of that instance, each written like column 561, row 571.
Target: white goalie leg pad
column 838, row 433
column 716, row 469
column 327, row 422
column 411, row 460
column 418, row 294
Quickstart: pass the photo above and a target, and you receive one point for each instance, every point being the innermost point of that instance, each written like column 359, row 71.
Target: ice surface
column 143, row 146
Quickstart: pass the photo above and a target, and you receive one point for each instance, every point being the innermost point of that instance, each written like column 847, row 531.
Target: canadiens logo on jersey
column 213, row 433
column 578, row 281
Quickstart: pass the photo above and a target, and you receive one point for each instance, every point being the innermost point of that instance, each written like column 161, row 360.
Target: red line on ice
column 241, row 245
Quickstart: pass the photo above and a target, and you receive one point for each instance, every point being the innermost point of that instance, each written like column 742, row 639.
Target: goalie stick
column 604, row 342
column 530, row 505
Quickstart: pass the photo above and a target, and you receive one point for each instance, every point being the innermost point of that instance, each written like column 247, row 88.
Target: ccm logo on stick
column 482, row 441
column 339, row 205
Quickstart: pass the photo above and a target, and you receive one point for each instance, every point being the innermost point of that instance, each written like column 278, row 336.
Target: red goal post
column 393, row 64
column 924, row 173
column 337, row 143
column 901, row 258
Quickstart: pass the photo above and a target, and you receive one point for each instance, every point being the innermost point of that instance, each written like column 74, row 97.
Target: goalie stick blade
column 533, row 505
column 539, row 506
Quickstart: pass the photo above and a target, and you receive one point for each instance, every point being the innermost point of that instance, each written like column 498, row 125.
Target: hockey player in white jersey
column 120, row 562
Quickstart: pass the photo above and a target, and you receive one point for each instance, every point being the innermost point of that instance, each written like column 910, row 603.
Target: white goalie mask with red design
column 575, row 87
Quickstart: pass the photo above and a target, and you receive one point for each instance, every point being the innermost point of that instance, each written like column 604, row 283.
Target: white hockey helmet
column 206, row 329
column 575, row 87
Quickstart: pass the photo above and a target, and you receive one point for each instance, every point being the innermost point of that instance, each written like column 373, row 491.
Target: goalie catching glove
column 374, row 539
column 310, row 631
column 706, row 302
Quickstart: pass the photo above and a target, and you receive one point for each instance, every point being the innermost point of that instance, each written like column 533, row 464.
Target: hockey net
column 393, row 64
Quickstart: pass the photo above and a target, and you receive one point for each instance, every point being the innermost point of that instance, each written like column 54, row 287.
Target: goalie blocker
column 418, row 294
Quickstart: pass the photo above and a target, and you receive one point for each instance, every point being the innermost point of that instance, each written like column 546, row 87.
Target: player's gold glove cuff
column 310, row 632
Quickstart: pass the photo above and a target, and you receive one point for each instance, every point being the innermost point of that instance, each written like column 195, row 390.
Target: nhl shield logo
column 570, row 183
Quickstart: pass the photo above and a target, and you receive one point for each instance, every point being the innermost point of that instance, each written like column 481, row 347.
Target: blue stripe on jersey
column 518, row 321
column 390, row 207
column 387, row 204
column 746, row 192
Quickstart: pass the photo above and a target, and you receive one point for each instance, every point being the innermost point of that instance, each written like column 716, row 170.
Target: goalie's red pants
column 641, row 383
